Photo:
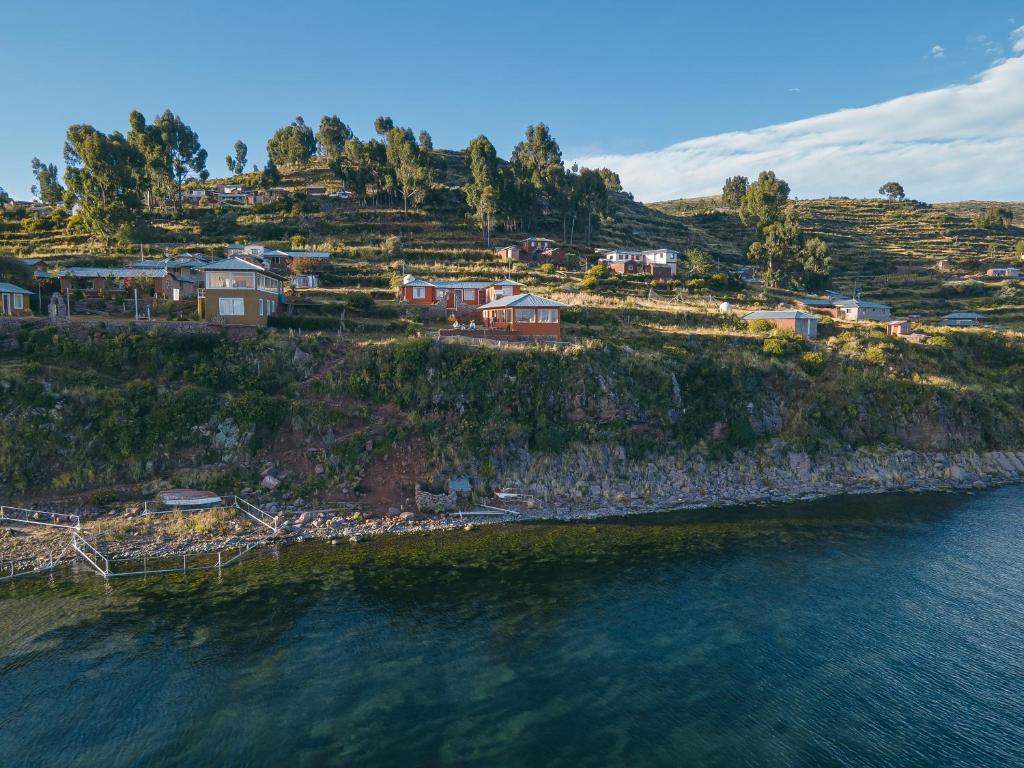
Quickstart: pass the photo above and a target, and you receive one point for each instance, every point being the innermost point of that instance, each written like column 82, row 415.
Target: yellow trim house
column 238, row 292
column 14, row 301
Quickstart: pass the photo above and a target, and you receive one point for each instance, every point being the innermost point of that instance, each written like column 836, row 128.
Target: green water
column 867, row 631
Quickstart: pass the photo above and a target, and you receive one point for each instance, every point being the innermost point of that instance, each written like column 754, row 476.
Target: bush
column 360, row 302
column 547, row 269
column 812, row 362
column 588, row 283
column 782, row 344
column 762, row 326
column 304, row 322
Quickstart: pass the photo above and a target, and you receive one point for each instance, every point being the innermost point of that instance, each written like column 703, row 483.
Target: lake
column 863, row 631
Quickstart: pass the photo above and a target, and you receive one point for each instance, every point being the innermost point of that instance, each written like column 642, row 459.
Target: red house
column 524, row 314
column 456, row 297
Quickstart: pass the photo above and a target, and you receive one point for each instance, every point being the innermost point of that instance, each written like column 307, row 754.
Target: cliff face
column 720, row 417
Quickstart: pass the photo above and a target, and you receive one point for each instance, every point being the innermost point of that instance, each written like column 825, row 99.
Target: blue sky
column 617, row 82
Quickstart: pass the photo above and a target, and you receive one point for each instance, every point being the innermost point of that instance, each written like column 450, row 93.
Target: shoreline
column 711, row 486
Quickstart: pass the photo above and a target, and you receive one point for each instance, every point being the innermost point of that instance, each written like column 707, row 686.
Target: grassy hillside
column 370, row 405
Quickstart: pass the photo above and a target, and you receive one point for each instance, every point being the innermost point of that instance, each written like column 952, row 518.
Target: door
column 7, row 303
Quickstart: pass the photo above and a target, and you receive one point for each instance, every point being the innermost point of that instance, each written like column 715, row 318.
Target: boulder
column 269, row 482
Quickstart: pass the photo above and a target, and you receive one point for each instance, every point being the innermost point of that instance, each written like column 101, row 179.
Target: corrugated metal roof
column 860, row 303
column 523, row 300
column 964, row 316
column 781, row 314
column 12, row 288
column 308, row 254
column 117, row 273
column 234, row 264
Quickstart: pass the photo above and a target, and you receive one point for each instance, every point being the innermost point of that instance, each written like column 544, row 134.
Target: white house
column 858, row 310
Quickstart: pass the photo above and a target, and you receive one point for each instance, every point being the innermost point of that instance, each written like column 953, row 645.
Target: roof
column 808, row 301
column 860, row 303
column 964, row 316
column 234, row 264
column 12, row 288
column 781, row 314
column 308, row 254
column 523, row 300
column 115, row 273
column 479, row 284
column 169, row 263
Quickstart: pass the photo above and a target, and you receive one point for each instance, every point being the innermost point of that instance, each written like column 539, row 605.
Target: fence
column 257, row 514
column 37, row 517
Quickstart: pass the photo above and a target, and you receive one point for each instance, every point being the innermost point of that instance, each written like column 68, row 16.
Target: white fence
column 22, row 516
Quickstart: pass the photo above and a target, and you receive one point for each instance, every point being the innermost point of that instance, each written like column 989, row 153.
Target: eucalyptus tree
column 236, row 163
column 483, row 191
column 103, row 175
column 332, row 136
column 47, row 187
column 293, row 144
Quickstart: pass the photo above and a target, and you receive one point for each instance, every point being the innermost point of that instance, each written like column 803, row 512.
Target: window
column 232, row 307
column 270, row 307
column 230, row 280
column 260, row 308
column 525, row 316
column 268, row 284
column 19, row 301
column 419, row 292
column 469, row 294
column 547, row 316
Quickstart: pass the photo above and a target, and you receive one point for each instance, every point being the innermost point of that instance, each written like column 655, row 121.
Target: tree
column 733, row 190
column 999, row 217
column 816, row 265
column 293, row 144
column 893, row 190
column 103, row 175
column 764, row 200
column 5, row 199
column 482, row 192
column 383, row 125
column 270, row 175
column 236, row 164
column 148, row 143
column 426, row 143
column 410, row 173
column 332, row 136
column 47, row 187
column 183, row 154
column 611, row 180
column 591, row 195
column 699, row 262
column 537, row 164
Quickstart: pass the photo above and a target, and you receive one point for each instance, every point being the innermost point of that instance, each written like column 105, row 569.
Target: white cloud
column 1018, row 39
column 954, row 143
column 938, row 52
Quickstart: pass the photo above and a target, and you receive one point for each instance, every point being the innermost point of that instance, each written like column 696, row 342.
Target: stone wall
column 600, row 480
column 431, row 502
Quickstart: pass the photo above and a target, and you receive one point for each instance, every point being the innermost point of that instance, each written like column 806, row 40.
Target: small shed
column 460, row 485
column 802, row 323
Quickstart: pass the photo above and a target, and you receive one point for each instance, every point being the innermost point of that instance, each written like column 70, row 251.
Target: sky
column 836, row 98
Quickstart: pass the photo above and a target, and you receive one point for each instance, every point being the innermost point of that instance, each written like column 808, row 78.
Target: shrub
column 588, row 283
column 939, row 342
column 547, row 269
column 304, row 322
column 360, row 302
column 762, row 326
column 812, row 362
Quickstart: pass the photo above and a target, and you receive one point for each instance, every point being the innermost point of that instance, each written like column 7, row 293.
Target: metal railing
column 190, row 561
column 19, row 515
column 257, row 514
column 92, row 555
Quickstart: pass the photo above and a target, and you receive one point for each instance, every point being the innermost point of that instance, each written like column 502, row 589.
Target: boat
column 187, row 497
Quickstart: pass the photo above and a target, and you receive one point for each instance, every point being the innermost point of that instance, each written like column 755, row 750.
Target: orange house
column 525, row 314
column 455, row 296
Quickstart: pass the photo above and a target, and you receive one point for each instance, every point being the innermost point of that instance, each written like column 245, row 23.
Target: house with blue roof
column 14, row 300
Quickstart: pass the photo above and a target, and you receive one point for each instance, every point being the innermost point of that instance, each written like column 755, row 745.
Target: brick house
column 524, row 314
column 455, row 297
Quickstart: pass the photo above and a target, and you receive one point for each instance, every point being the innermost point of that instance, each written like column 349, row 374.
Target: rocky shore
column 585, row 484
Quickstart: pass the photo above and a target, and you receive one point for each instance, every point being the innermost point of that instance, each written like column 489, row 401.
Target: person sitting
column 472, row 325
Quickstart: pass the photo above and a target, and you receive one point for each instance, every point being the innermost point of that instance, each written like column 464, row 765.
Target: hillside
column 370, row 405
